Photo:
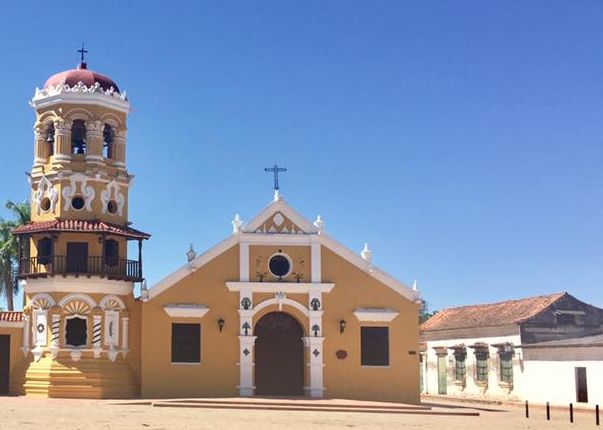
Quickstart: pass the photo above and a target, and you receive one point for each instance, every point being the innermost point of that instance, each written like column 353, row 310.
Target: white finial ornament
column 190, row 254
column 236, row 224
column 277, row 195
column 319, row 224
column 415, row 285
column 366, row 253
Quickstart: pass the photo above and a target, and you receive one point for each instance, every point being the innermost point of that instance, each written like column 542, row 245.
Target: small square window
column 186, row 343
column 374, row 345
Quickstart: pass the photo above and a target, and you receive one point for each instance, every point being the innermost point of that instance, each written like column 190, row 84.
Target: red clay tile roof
column 11, row 316
column 81, row 74
column 80, row 226
column 494, row 314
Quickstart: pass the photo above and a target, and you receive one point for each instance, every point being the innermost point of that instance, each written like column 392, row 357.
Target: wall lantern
column 221, row 324
column 341, row 326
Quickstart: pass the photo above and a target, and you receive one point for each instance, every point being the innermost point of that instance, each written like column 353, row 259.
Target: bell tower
column 75, row 266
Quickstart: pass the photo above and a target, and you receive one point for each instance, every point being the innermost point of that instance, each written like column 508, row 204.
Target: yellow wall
column 16, row 341
column 218, row 373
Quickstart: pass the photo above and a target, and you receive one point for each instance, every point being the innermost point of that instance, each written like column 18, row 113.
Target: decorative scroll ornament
column 46, row 190
column 80, row 87
column 87, row 191
column 111, row 192
column 315, row 304
column 246, row 303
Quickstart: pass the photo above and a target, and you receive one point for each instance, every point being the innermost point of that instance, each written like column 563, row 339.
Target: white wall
column 493, row 390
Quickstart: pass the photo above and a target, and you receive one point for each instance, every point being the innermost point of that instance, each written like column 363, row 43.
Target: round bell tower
column 75, row 266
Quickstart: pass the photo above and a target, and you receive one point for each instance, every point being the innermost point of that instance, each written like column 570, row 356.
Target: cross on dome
column 82, row 52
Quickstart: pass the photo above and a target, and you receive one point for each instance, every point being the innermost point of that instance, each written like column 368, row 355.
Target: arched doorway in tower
column 279, row 355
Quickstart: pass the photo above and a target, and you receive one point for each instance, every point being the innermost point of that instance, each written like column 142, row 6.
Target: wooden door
column 77, row 257
column 442, row 377
column 581, row 385
column 279, row 355
column 4, row 363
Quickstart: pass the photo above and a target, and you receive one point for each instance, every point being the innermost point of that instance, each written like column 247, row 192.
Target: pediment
column 279, row 218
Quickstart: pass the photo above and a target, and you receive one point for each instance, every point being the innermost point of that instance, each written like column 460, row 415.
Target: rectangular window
column 374, row 346
column 111, row 252
column 581, row 385
column 481, row 366
column 186, row 343
column 506, row 367
column 459, row 365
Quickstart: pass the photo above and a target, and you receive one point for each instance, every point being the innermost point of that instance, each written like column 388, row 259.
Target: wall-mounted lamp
column 341, row 326
column 221, row 324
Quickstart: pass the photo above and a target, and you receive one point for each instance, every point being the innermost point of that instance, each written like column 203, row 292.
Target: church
column 277, row 308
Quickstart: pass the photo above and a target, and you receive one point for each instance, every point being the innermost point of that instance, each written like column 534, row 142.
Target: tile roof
column 494, row 314
column 11, row 316
column 95, row 226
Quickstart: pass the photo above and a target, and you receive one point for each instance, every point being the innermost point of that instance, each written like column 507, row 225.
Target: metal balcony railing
column 110, row 267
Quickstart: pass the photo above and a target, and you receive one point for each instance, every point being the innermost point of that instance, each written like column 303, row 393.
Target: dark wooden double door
column 4, row 363
column 279, row 355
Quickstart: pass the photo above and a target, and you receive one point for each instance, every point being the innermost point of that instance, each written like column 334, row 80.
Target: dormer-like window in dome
column 78, row 137
column 50, row 140
column 108, row 138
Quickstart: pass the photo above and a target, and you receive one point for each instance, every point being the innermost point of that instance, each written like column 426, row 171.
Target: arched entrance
column 279, row 355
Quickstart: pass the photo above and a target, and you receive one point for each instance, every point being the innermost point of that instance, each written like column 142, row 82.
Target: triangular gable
column 279, row 217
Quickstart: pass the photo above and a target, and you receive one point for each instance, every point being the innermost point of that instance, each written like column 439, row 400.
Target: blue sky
column 461, row 139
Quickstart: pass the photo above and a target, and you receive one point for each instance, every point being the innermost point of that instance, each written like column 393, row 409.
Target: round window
column 279, row 265
column 45, row 204
column 78, row 203
column 112, row 207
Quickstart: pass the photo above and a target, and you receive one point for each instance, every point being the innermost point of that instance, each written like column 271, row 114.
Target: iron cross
column 276, row 170
column 82, row 51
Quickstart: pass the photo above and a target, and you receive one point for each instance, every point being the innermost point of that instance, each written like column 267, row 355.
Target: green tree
column 424, row 313
column 9, row 250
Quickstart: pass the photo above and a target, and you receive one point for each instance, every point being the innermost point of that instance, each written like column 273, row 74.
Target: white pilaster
column 125, row 323
column 41, row 328
column 25, row 346
column 244, row 262
column 314, row 345
column 246, row 349
column 316, row 275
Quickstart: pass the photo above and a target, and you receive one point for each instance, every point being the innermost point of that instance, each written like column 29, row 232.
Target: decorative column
column 125, row 323
column 62, row 143
column 94, row 142
column 96, row 331
column 40, row 153
column 246, row 343
column 41, row 332
column 26, row 345
column 314, row 345
column 119, row 148
column 314, row 342
column 55, row 330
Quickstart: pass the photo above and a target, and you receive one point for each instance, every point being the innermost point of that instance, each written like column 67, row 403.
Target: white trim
column 282, row 207
column 72, row 284
column 105, row 299
column 284, row 239
column 316, row 264
column 77, row 98
column 244, row 262
column 279, row 302
column 375, row 314
column 198, row 262
column 275, row 276
column 83, row 297
column 12, row 324
column 47, row 297
column 278, row 287
column 186, row 310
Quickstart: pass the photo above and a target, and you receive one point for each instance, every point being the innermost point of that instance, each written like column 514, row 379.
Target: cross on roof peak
column 82, row 52
column 276, row 170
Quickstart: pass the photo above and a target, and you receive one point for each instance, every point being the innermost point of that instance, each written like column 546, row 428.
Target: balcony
column 76, row 265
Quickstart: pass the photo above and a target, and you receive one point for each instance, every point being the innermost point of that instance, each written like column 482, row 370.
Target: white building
column 546, row 348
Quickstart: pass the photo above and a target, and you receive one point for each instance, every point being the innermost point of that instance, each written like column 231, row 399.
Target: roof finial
column 366, row 253
column 276, row 170
column 415, row 285
column 237, row 222
column 319, row 224
column 82, row 51
column 191, row 254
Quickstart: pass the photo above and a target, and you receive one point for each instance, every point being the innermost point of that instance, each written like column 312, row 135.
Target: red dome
column 81, row 74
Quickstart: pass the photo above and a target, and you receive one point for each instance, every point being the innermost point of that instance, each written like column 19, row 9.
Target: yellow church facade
column 277, row 308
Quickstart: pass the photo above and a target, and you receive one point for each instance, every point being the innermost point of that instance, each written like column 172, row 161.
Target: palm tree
column 9, row 250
